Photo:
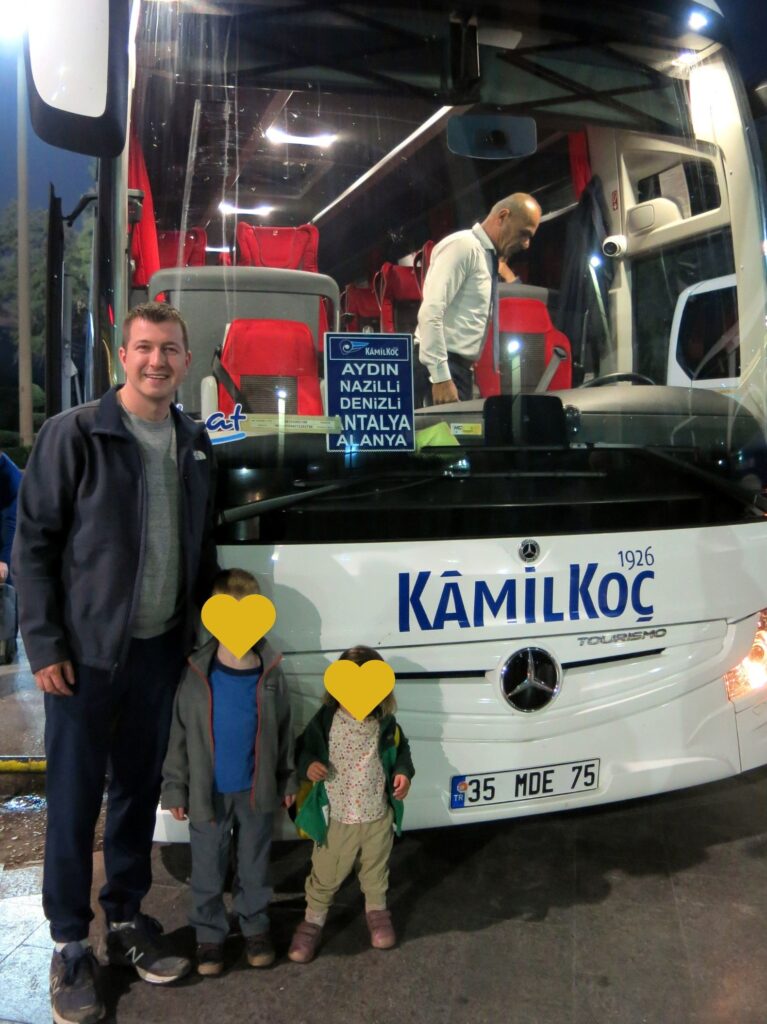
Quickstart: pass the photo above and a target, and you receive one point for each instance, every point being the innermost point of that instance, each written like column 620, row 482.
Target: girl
column 365, row 770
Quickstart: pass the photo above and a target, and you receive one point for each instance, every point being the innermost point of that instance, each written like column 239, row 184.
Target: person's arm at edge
column 287, row 780
column 45, row 506
column 174, row 794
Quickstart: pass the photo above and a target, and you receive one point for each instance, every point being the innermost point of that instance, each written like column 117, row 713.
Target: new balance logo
column 134, row 955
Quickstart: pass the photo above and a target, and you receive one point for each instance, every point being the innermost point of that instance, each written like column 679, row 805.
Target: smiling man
column 114, row 552
column 457, row 298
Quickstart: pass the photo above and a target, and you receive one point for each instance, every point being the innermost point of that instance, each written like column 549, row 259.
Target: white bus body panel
column 656, row 721
column 644, row 698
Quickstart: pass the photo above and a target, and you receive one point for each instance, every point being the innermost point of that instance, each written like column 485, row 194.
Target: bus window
column 659, row 281
column 707, row 346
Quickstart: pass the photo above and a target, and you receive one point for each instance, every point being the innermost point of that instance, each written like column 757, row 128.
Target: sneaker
column 259, row 949
column 74, row 999
column 306, row 939
column 210, row 958
column 381, row 929
column 140, row 945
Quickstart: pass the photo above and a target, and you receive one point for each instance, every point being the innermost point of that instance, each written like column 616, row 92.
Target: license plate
column 516, row 784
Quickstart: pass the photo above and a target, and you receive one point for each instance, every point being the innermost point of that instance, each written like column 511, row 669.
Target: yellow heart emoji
column 238, row 625
column 359, row 688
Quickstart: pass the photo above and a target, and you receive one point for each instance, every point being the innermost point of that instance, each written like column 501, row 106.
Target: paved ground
column 653, row 912
column 650, row 912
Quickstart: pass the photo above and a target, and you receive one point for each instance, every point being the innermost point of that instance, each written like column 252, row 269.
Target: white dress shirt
column 456, row 301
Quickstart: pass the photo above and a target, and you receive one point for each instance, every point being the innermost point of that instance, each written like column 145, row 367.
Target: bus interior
column 291, row 166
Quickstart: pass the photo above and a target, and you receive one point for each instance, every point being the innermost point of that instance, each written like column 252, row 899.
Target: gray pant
column 210, row 842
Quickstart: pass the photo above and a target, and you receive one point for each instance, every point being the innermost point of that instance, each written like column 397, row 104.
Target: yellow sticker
column 466, row 429
column 238, row 625
column 359, row 688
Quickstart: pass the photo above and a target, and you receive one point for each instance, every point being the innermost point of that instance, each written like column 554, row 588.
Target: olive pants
column 365, row 847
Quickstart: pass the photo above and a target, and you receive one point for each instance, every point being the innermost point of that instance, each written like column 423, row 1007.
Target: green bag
column 313, row 813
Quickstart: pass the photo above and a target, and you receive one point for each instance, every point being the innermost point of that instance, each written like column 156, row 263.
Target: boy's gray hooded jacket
column 188, row 771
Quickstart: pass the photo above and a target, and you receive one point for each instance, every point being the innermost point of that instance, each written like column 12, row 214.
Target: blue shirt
column 10, row 478
column 235, row 721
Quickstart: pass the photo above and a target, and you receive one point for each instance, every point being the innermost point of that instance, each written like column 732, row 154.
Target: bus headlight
column 751, row 673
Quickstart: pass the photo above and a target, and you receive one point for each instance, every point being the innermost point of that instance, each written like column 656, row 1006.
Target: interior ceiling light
column 697, row 21
column 254, row 211
column 322, row 141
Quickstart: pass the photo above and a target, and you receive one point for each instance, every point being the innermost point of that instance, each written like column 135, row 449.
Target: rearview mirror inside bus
column 492, row 136
column 78, row 80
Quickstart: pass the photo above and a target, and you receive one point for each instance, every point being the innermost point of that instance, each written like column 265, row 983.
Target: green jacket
column 313, row 745
column 188, row 771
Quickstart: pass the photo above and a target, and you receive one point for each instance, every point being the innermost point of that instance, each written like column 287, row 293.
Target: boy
column 230, row 759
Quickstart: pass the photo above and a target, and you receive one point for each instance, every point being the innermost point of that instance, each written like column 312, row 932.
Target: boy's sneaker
column 74, row 999
column 259, row 949
column 140, row 945
column 210, row 958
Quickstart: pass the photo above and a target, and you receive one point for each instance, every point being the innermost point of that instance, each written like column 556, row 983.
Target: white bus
column 569, row 572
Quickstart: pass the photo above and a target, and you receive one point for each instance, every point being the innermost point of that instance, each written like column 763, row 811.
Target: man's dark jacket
column 81, row 530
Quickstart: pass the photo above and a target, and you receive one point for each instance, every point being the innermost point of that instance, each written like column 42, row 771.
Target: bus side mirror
column 492, row 136
column 77, row 76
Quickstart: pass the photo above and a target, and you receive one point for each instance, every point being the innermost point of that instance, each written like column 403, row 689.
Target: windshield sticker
column 369, row 381
column 429, row 603
column 467, row 429
column 223, row 428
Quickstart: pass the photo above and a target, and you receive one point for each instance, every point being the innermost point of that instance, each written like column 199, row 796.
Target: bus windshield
column 295, row 166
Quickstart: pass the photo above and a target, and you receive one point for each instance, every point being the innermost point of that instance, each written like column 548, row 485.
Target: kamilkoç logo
column 429, row 603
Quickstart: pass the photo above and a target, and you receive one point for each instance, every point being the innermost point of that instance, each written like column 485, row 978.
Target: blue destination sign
column 369, row 382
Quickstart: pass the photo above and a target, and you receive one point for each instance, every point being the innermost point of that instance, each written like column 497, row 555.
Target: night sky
column 70, row 172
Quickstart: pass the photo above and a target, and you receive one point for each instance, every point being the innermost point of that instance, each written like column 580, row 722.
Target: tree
column 78, row 244
column 38, row 237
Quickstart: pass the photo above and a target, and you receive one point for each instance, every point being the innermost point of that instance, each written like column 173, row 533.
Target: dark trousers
column 251, row 892
column 460, row 370
column 117, row 723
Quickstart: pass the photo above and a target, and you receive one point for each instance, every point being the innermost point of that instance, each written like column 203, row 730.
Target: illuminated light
column 278, row 135
column 751, row 673
column 697, row 21
column 514, row 346
column 253, row 211
column 218, row 248
column 276, row 556
column 595, row 261
column 428, row 129
column 686, row 59
column 13, row 23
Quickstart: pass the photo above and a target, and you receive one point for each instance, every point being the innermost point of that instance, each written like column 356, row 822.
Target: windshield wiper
column 756, row 503
column 257, row 508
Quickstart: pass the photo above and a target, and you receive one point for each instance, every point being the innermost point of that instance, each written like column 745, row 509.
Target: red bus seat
column 399, row 298
column 421, row 262
column 283, row 248
column 359, row 309
column 527, row 323
column 261, row 357
column 193, row 250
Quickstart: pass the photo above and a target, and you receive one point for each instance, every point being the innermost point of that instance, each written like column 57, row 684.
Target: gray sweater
column 188, row 771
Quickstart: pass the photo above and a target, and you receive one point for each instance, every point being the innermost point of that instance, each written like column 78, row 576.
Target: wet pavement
column 653, row 912
column 21, row 710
